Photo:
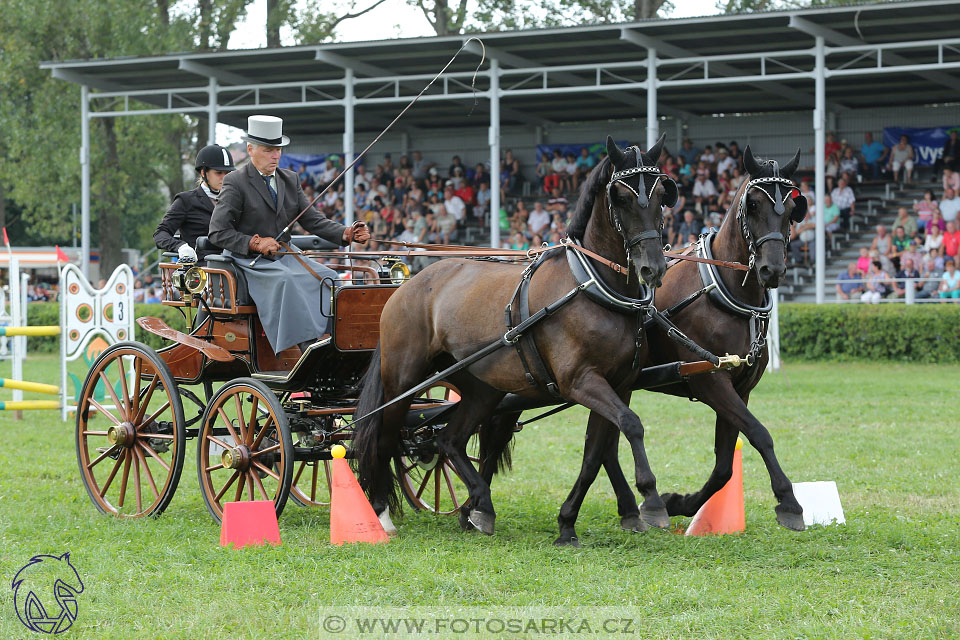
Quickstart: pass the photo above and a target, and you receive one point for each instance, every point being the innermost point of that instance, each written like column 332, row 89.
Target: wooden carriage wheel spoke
column 135, row 398
column 253, row 411
column 453, row 494
column 153, row 416
column 257, row 454
column 126, row 474
column 313, row 484
column 236, row 474
column 147, row 397
column 102, row 456
column 127, row 405
column 106, row 485
column 93, row 433
column 240, row 485
column 328, row 472
column 436, row 491
column 143, row 435
column 136, row 480
column 219, row 465
column 149, row 449
column 102, row 410
column 219, row 442
column 243, row 421
column 113, row 394
column 423, row 484
column 269, row 472
column 296, row 477
column 250, row 485
column 230, row 429
column 153, row 485
column 263, row 432
column 409, row 467
column 263, row 492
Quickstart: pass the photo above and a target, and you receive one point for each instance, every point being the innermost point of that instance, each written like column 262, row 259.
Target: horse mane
column 594, row 184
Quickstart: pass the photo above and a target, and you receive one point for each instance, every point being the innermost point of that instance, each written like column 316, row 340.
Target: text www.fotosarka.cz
column 478, row 622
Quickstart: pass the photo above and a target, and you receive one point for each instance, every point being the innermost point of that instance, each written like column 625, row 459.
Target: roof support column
column 85, row 180
column 348, row 104
column 653, row 128
column 212, row 111
column 819, row 121
column 494, row 152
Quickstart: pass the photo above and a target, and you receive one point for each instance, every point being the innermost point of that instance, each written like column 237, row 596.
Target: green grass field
column 887, row 433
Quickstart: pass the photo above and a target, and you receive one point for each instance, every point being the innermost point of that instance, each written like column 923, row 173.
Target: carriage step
column 158, row 327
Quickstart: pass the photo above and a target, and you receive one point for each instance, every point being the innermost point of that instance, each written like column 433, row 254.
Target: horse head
column 767, row 203
column 633, row 189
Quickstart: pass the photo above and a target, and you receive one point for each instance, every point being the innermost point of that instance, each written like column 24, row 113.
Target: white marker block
column 820, row 502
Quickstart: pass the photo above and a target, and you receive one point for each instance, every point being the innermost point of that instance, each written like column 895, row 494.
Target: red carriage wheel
column 245, row 451
column 130, row 433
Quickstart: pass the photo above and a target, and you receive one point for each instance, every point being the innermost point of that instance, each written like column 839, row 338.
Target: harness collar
column 595, row 288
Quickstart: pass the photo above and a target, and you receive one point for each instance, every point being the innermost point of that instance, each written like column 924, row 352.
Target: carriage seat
column 227, row 263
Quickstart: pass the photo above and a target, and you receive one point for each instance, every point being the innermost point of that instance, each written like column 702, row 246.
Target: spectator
column 480, row 177
column 951, row 179
column 726, row 162
column 466, row 193
column 901, row 156
column 688, row 152
column 843, row 197
column 803, row 236
column 379, row 228
column 138, row 291
column 912, row 253
column 454, row 165
column 361, row 177
column 931, row 279
column 950, row 159
column 446, row 225
column 877, row 284
column 924, row 209
column 306, row 180
column 585, row 164
column 389, row 171
column 900, row 244
column 849, row 163
column 807, row 192
column 514, row 179
column 408, row 234
column 545, row 174
column 570, row 172
column 539, row 220
column 153, row 298
column 950, row 285
column 831, row 214
column 419, row 167
column 557, row 203
column 712, row 223
column 483, row 201
column 849, row 283
column 933, row 244
column 950, row 205
column 328, row 174
column 519, row 242
column 873, row 154
column 457, row 178
column 883, row 245
column 453, row 203
column 708, row 156
column 688, row 227
column 951, row 241
column 863, row 262
column 906, row 272
column 558, row 169
column 831, row 146
column 704, row 194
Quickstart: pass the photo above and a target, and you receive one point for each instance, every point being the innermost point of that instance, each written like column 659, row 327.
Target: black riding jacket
column 190, row 215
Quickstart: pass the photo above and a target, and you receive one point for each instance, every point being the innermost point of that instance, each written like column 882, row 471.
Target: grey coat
column 245, row 208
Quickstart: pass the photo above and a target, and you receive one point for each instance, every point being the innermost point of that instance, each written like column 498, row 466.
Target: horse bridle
column 643, row 200
column 778, row 200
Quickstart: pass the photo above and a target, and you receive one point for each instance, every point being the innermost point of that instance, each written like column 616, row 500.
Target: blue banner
column 314, row 161
column 927, row 142
column 595, row 149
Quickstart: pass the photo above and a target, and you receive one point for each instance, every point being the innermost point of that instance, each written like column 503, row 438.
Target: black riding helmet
column 214, row 156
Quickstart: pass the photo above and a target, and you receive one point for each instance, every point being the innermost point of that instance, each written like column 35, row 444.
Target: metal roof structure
column 858, row 55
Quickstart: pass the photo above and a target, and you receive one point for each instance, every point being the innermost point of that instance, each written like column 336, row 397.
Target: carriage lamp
column 189, row 280
column 399, row 272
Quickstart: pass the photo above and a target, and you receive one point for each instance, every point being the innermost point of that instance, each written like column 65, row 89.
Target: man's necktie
column 273, row 192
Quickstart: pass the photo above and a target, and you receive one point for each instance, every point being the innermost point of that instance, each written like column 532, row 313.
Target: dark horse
column 729, row 318
column 454, row 308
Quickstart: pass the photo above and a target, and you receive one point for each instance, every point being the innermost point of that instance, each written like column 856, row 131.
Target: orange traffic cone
column 249, row 523
column 723, row 512
column 352, row 519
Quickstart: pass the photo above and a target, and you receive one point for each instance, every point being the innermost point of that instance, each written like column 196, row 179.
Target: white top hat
column 265, row 130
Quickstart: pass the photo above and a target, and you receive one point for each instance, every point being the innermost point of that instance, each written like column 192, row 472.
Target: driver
column 190, row 211
column 256, row 203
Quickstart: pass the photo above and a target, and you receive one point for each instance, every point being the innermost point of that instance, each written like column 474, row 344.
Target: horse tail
column 496, row 442
column 372, row 463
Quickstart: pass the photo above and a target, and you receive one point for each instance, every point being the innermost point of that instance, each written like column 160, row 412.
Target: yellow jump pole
column 30, row 331
column 29, row 404
column 38, row 387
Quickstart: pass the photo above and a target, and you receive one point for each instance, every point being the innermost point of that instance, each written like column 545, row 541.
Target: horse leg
column 496, row 435
column 476, row 405
column 733, row 416
column 601, row 443
column 595, row 393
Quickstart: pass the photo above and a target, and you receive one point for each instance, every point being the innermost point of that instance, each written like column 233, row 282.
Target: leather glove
column 358, row 232
column 186, row 253
column 267, row 246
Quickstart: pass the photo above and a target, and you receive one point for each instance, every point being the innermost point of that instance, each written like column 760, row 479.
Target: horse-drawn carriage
column 267, row 431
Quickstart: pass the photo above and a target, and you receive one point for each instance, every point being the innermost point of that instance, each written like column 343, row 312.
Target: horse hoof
column 674, row 503
column 482, row 522
column 567, row 541
column 790, row 520
column 387, row 523
column 656, row 517
column 633, row 524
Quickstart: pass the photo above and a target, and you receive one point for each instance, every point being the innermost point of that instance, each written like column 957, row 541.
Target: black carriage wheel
column 430, row 482
column 244, row 451
column 130, row 434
